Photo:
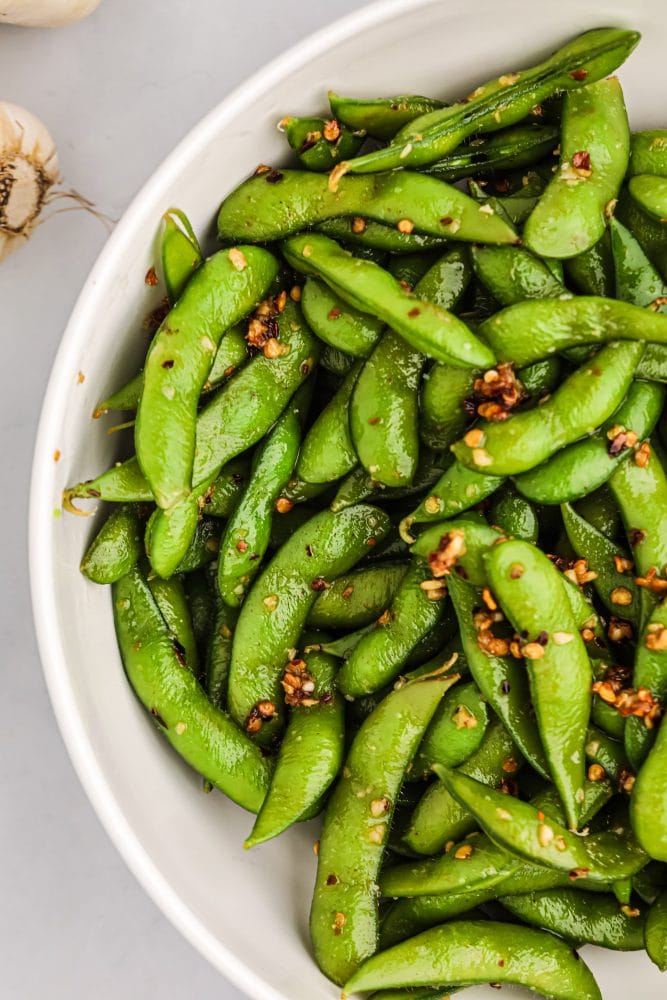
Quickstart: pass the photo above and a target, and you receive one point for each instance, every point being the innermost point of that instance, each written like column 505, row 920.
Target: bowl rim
column 44, row 611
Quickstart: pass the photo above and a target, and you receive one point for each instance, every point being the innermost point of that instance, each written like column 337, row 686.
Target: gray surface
column 117, row 91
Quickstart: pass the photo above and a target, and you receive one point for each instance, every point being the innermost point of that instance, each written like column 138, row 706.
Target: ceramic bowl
column 247, row 912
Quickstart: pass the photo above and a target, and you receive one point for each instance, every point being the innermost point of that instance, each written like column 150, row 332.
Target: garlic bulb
column 28, row 169
column 44, row 13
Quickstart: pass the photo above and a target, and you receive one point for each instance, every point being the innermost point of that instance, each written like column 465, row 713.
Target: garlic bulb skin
column 28, row 169
column 45, row 13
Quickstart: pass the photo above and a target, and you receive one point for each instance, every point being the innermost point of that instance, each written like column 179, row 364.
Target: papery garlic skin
column 28, row 169
column 45, row 13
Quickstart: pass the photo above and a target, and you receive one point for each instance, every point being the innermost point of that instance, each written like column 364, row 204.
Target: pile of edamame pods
column 393, row 546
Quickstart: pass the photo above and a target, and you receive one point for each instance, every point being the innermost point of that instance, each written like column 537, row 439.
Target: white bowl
column 247, row 912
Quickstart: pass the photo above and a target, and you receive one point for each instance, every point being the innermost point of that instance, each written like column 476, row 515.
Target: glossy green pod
column 328, row 451
column 203, row 735
column 320, row 143
column 481, row 952
column 338, row 323
column 171, row 599
column 275, row 610
column 648, row 802
column 261, row 212
column 650, row 193
column 520, row 146
column 648, row 153
column 180, row 252
column 356, row 599
column 115, row 548
column 378, row 236
column 655, row 932
column 311, row 752
column 380, row 117
column 650, row 671
column 220, row 292
column 594, row 151
column 344, row 918
column 582, row 917
column 456, row 730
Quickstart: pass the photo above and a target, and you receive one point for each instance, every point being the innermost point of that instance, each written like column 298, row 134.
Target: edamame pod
column 532, row 594
column 513, row 274
column 311, row 752
column 640, row 490
column 594, row 151
column 277, row 607
column 649, row 234
column 412, row 614
column 514, row 515
column 219, row 653
column 501, row 679
column 557, row 324
column 584, row 466
column 481, row 952
column 248, row 530
column 455, row 733
column 648, row 153
column 515, row 147
column 425, row 326
column 320, row 143
column 261, row 212
column 115, row 548
column 380, row 117
column 344, row 917
column 458, row 489
column 203, row 735
column 221, row 291
column 584, row 401
column 378, row 236
column 500, row 102
column 655, row 932
column 615, row 587
column 592, row 272
column 338, row 323
column 171, row 599
column 357, row 598
column 179, row 251
column 582, row 917
column 528, row 832
column 650, row 193
column 648, row 802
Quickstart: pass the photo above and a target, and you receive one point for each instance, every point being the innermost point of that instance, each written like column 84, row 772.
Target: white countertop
column 117, row 91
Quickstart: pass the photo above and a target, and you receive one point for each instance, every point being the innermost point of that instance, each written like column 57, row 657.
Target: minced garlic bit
column 621, row 595
column 642, row 455
column 626, row 700
column 463, row 718
column 283, row 505
column 619, row 630
column 270, row 602
column 621, row 439
column 274, row 349
column 376, row 833
column 432, row 504
column 656, row 584
column 596, row 772
column 656, row 638
column 577, row 571
column 358, row 224
column 489, row 599
column 464, row 852
column 405, row 226
column 508, row 78
column 450, row 548
column 379, row 807
column 474, row 438
column 338, row 924
column 562, row 638
column 331, row 130
column 237, row 259
column 260, row 713
column 622, row 564
column 298, row 684
column 533, row 651
column 435, row 589
column 481, row 457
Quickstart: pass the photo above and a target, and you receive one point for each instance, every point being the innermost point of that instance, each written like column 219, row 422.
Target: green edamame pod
column 377, row 659
column 358, row 232
column 276, row 608
column 608, row 753
column 171, row 599
column 380, row 117
column 584, row 466
column 501, row 679
column 439, row 817
column 650, row 672
column 203, row 735
column 357, row 598
column 233, row 421
column 221, row 291
column 125, row 398
column 228, row 488
column 426, row 326
column 519, row 828
column 600, row 510
column 201, row 602
column 648, row 153
column 179, row 251
column 500, row 102
column 556, row 324
column 520, row 146
column 481, row 951
column 649, row 234
column 655, row 932
column 311, row 752
column 594, row 151
column 637, row 281
column 232, row 352
column 514, row 514
column 455, row 733
column 648, row 802
column 115, row 548
column 328, row 453
column 580, row 917
column 458, row 489
column 641, row 494
column 319, row 143
column 592, row 272
column 262, row 212
column 584, row 401
column 336, row 322
column 219, row 653
column 615, row 588
column 248, row 530
column 344, row 917
column 650, row 193
column 513, row 274
column 472, row 537
column 443, row 415
column 203, row 547
column 532, row 594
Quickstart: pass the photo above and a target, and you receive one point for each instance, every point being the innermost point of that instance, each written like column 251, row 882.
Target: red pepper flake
column 373, row 421
column 446, row 220
column 318, row 584
column 168, row 364
column 151, row 277
column 179, row 651
column 241, row 546
column 273, row 177
column 414, row 312
column 581, row 160
column 637, row 536
column 579, row 74
column 334, row 313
